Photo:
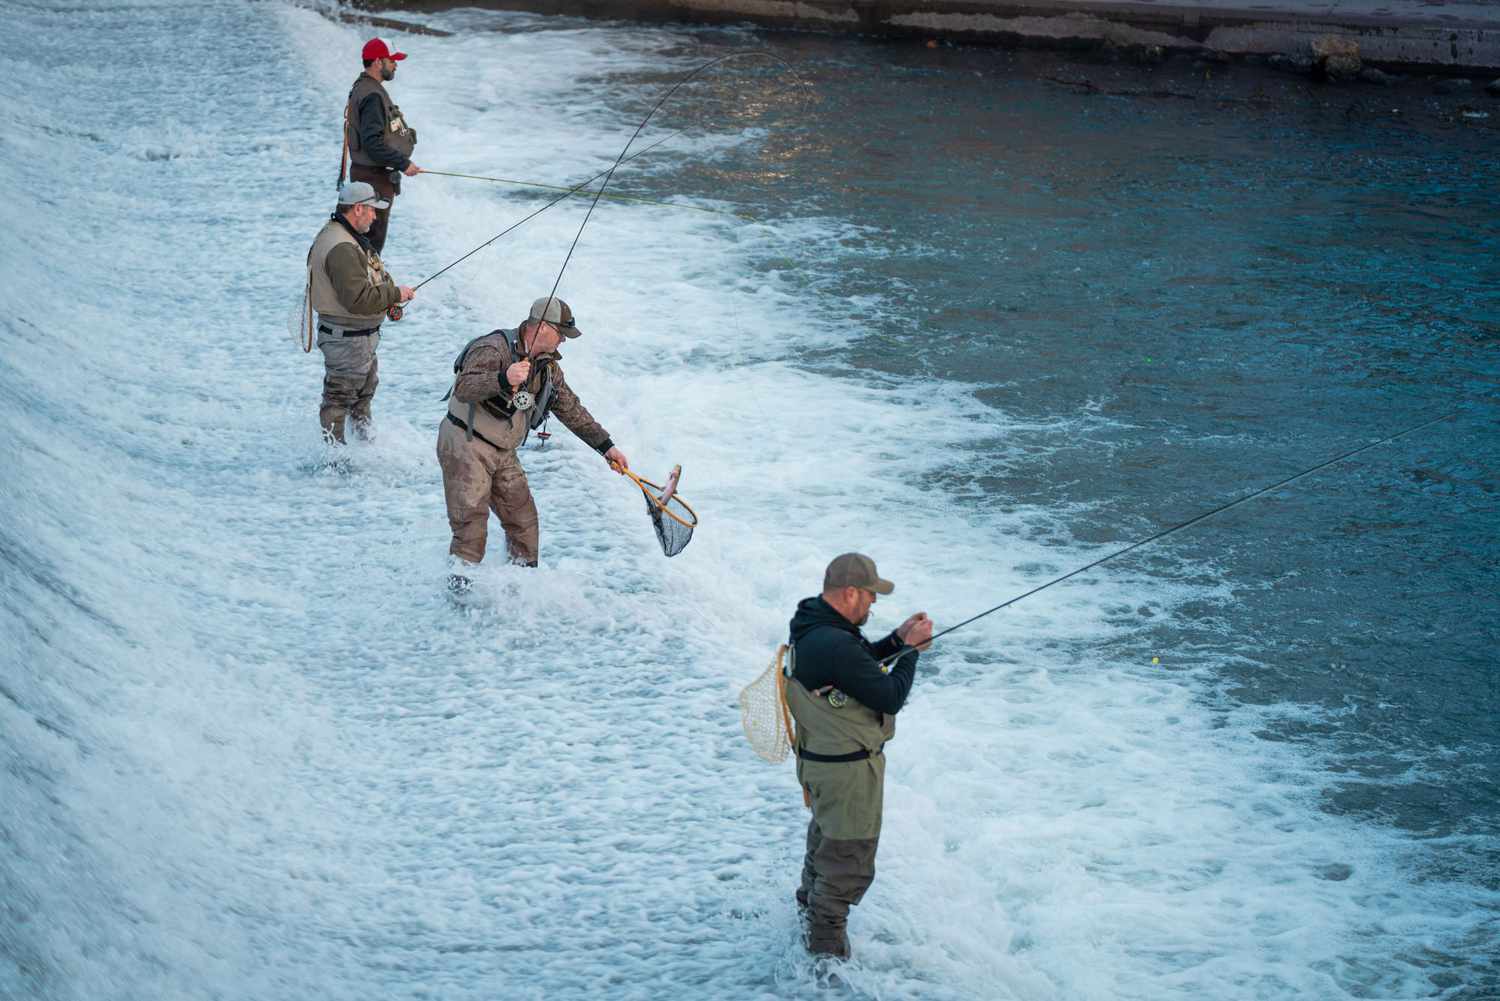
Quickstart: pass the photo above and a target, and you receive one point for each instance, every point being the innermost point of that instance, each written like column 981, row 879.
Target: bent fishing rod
column 395, row 312
column 1175, row 528
column 609, row 174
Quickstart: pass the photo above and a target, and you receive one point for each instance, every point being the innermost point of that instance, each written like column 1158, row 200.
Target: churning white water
column 251, row 748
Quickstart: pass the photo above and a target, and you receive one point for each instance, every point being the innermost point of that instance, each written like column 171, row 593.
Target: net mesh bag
column 299, row 322
column 671, row 517
column 763, row 712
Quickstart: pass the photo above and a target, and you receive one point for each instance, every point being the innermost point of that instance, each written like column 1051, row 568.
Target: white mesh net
column 299, row 323
column 763, row 712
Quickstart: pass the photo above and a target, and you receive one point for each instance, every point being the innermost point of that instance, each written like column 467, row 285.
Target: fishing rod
column 524, row 219
column 395, row 312
column 1175, row 528
column 558, row 187
column 609, row 174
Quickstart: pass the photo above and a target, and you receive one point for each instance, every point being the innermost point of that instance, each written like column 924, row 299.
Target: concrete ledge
column 1430, row 35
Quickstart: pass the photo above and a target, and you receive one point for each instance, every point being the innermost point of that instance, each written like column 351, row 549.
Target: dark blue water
column 1227, row 292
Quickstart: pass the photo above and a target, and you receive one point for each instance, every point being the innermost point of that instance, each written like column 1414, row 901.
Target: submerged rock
column 1493, row 88
column 1336, row 57
column 1372, row 75
column 1458, row 85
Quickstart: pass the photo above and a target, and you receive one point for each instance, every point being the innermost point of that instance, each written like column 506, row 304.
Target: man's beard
column 387, row 72
column 863, row 618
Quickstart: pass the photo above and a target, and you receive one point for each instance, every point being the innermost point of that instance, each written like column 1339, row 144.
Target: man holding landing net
column 844, row 700
column 505, row 385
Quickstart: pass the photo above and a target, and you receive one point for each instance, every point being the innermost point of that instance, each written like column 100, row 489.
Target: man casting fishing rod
column 506, row 383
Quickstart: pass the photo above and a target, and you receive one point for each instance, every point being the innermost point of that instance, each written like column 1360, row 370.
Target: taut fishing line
column 527, row 218
column 1177, row 528
column 674, row 532
column 763, row 710
column 609, row 173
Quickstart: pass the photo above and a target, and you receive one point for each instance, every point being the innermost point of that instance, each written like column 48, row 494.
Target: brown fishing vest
column 320, row 289
column 491, row 420
column 398, row 135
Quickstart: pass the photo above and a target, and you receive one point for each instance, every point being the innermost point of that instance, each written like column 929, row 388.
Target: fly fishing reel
column 522, row 400
column 394, row 313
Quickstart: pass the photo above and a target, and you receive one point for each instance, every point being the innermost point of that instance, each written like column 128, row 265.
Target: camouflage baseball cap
column 855, row 570
column 553, row 310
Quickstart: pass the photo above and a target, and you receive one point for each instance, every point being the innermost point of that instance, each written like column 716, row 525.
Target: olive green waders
column 846, row 796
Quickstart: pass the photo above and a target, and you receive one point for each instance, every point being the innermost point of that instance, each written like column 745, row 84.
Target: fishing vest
column 832, row 730
column 398, row 135
column 493, row 420
column 320, row 289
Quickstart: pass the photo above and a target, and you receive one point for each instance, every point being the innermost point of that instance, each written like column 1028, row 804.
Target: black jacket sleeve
column 858, row 675
column 372, row 125
column 888, row 646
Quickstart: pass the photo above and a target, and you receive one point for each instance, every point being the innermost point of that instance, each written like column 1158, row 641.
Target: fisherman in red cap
column 378, row 142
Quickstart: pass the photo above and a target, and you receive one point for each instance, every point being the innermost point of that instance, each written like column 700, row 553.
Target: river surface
column 942, row 310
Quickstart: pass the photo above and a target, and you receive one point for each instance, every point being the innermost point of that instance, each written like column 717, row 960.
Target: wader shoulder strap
column 458, row 363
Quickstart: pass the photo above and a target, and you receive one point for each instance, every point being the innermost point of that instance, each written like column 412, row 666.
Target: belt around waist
column 323, row 328
column 475, row 432
column 860, row 755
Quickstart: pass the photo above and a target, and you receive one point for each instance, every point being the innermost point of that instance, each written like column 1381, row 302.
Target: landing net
column 671, row 517
column 763, row 712
column 299, row 323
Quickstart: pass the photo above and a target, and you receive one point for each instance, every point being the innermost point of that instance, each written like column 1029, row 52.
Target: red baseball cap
column 376, row 48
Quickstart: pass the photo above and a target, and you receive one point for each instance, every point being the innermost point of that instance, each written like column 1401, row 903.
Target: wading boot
column 830, row 942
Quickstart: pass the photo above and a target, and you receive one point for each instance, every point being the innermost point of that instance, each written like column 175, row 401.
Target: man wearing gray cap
column 506, row 383
column 350, row 290
column 845, row 705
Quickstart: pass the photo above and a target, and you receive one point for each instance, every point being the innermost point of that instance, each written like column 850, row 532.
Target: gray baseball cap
column 855, row 570
column 360, row 193
column 553, row 310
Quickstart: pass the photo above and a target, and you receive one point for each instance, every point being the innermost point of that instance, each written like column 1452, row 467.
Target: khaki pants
column 835, row 875
column 478, row 479
column 380, row 179
column 348, row 396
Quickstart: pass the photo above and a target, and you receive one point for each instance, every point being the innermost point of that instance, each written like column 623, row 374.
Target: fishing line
column 1177, row 528
column 558, row 187
column 609, row 175
column 571, row 191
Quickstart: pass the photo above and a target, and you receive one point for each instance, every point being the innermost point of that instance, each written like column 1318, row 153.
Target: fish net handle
column 647, row 486
column 786, row 716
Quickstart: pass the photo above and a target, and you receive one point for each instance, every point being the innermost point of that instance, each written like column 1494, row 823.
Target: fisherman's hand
column 616, row 459
column 412, row 170
column 916, row 631
column 406, row 292
column 518, row 373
